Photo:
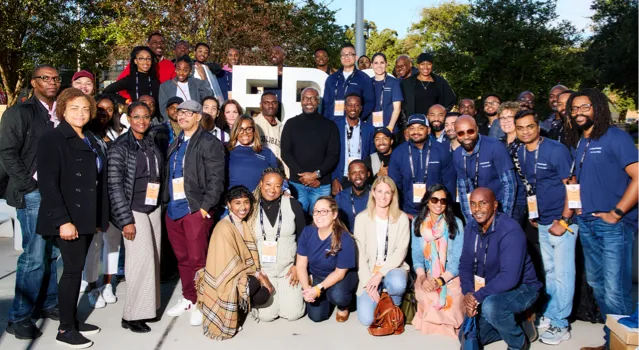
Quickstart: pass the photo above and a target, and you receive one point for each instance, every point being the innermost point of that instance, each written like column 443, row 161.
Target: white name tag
column 178, row 189
column 269, row 252
column 573, row 192
column 533, row 211
column 378, row 119
column 419, row 190
column 339, row 108
column 152, row 194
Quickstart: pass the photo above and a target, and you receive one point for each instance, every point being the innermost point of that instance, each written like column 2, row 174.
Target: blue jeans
column 36, row 272
column 558, row 254
column 497, row 316
column 395, row 284
column 340, row 294
column 307, row 196
column 608, row 260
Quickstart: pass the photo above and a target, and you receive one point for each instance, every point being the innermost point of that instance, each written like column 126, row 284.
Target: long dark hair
column 96, row 127
column 602, row 119
column 134, row 67
column 449, row 216
column 338, row 227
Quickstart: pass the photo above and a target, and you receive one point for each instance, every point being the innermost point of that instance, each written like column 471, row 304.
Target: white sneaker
column 543, row 322
column 180, row 307
column 196, row 317
column 83, row 286
column 107, row 294
column 96, row 300
column 555, row 335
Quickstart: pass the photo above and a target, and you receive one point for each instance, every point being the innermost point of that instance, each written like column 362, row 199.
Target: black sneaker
column 73, row 339
column 24, row 329
column 528, row 326
column 52, row 313
column 88, row 329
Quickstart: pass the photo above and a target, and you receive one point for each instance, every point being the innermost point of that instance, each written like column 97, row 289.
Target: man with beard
column 420, row 163
column 378, row 162
column 496, row 272
column 449, row 127
column 277, row 59
column 181, row 49
column 353, row 200
column 526, row 100
column 356, row 141
column 606, row 171
column 482, row 161
column 491, row 104
column 321, row 61
column 554, row 120
column 436, row 116
column 206, row 71
column 560, row 127
column 466, row 106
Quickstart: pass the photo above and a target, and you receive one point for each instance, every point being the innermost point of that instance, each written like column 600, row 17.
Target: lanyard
column 581, row 163
column 381, row 96
column 412, row 167
column 137, row 91
column 279, row 222
column 353, row 202
column 492, row 228
column 386, row 244
column 177, row 151
column 346, row 83
column 476, row 179
column 98, row 160
column 179, row 88
column 533, row 185
column 349, row 136
column 228, row 83
column 148, row 166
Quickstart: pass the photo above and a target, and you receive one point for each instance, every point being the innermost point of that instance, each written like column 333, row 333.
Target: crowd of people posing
column 379, row 186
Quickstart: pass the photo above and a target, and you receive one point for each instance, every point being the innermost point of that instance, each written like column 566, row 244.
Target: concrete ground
column 176, row 333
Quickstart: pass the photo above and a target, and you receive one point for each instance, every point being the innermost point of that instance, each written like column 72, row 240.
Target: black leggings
column 259, row 294
column 74, row 254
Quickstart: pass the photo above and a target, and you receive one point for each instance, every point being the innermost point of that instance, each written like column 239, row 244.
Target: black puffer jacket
column 122, row 160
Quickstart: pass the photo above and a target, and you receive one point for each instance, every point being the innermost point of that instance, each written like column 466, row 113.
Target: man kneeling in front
column 497, row 276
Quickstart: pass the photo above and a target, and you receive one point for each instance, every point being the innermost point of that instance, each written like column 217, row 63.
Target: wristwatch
column 319, row 174
column 567, row 220
column 619, row 212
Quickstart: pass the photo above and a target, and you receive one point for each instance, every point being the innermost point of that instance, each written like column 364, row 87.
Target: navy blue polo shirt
column 245, row 166
column 336, row 88
column 311, row 246
column 347, row 206
column 553, row 166
column 392, row 92
column 177, row 209
column 440, row 170
column 603, row 177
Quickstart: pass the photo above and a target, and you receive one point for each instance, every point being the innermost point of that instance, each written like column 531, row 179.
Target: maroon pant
column 189, row 237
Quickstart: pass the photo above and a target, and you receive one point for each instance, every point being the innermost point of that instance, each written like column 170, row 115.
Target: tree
column 612, row 50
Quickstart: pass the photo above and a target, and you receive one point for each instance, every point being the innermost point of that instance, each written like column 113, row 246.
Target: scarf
column 222, row 286
column 175, row 127
column 227, row 68
column 435, row 236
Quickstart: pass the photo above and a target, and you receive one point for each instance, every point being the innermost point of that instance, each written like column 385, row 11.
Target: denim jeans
column 558, row 253
column 608, row 259
column 395, row 284
column 307, row 196
column 36, row 272
column 497, row 316
column 340, row 294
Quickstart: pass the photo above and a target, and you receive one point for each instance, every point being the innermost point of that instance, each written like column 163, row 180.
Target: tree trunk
column 12, row 92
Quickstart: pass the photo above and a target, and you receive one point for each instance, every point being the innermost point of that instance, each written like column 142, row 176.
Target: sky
column 406, row 12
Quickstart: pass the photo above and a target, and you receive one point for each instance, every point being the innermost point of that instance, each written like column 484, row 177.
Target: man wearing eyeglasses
column 21, row 127
column 346, row 80
column 420, row 163
column 491, row 105
column 607, row 176
column 356, row 141
column 526, row 100
column 482, row 161
column 195, row 184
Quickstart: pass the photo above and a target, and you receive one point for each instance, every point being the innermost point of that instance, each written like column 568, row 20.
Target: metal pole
column 360, row 42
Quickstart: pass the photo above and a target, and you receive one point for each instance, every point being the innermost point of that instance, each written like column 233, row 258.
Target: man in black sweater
column 310, row 148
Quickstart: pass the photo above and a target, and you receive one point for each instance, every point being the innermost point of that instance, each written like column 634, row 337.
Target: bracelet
column 317, row 290
column 440, row 281
column 565, row 225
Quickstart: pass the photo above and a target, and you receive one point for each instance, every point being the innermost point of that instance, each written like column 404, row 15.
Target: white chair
column 9, row 224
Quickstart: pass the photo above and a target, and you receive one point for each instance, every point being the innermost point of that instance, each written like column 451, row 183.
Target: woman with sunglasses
column 247, row 157
column 326, row 263
column 437, row 241
column 382, row 233
column 143, row 77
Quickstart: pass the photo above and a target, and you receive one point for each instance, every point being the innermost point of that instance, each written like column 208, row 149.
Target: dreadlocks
column 601, row 114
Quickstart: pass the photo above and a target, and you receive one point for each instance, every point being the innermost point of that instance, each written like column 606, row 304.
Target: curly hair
column 602, row 119
column 70, row 94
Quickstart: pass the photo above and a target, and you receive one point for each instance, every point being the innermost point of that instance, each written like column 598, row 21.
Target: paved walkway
column 176, row 333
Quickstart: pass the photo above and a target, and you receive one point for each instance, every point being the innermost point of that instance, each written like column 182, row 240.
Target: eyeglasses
column 506, row 119
column 347, row 55
column 435, row 200
column 523, row 99
column 469, row 132
column 321, row 212
column 583, row 108
column 185, row 113
column 248, row 130
column 309, row 98
column 142, row 117
column 147, row 59
column 47, row 78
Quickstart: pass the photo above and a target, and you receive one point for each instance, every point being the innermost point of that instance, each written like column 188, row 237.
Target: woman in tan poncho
column 231, row 282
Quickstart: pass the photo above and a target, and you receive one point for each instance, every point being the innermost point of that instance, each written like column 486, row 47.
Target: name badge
column 339, row 108
column 378, row 119
column 480, row 283
column 533, row 211
column 230, row 93
column 152, row 194
column 269, row 252
column 419, row 190
column 178, row 189
column 573, row 192
column 377, row 268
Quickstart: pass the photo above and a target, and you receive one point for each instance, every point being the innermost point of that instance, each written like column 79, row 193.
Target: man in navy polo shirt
column 496, row 272
column 436, row 117
column 605, row 166
column 353, row 200
column 347, row 79
column 482, row 161
column 420, row 163
column 357, row 141
column 545, row 165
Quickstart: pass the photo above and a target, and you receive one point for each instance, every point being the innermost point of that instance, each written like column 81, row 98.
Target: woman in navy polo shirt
column 388, row 95
column 326, row 252
column 247, row 158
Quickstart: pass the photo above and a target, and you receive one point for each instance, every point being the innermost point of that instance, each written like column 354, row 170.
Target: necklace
column 424, row 86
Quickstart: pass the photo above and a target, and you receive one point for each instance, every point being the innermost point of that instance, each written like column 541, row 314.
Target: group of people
column 378, row 182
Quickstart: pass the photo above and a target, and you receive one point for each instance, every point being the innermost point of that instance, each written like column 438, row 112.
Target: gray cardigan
column 198, row 89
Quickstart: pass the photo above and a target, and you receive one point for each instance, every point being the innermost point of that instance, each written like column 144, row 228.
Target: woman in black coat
column 72, row 182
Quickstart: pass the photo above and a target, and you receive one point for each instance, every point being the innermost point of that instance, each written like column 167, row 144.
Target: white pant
column 105, row 247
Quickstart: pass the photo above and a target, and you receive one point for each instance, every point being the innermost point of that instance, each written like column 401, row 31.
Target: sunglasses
column 435, row 200
column 469, row 132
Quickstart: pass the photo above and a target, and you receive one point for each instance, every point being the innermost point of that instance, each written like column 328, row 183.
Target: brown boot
column 603, row 347
column 342, row 316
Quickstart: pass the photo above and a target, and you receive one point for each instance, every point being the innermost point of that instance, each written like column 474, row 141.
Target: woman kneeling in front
column 436, row 250
column 382, row 233
column 326, row 251
column 231, row 282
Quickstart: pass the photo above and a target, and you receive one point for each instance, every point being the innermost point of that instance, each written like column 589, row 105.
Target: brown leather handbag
column 389, row 319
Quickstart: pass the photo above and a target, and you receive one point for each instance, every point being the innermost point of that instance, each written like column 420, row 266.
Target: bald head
column 467, row 121
column 483, row 206
column 436, row 116
column 467, row 106
column 277, row 56
column 467, row 132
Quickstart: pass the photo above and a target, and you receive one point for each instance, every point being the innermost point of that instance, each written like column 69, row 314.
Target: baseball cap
column 191, row 105
column 384, row 131
column 418, row 119
column 82, row 74
column 425, row 56
column 173, row 100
